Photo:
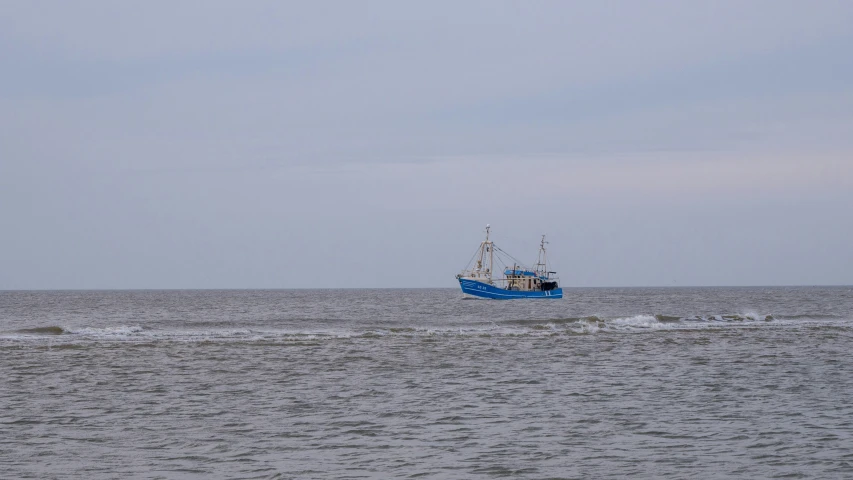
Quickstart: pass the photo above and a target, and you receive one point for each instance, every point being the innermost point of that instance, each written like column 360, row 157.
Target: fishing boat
column 478, row 279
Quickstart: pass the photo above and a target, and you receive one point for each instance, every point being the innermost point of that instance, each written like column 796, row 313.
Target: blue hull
column 484, row 290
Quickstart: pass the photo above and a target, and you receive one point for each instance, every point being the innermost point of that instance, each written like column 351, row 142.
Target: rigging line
column 507, row 254
column 505, row 263
column 472, row 258
column 505, row 259
column 502, row 259
column 499, row 258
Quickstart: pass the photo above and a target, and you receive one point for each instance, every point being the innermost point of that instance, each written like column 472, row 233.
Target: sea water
column 605, row 383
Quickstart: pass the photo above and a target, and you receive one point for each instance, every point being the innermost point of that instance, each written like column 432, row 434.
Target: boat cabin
column 527, row 281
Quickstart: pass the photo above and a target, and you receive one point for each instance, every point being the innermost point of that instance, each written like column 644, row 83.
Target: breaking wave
column 41, row 331
column 587, row 325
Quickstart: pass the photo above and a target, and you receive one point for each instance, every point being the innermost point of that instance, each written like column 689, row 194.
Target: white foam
column 540, row 329
column 637, row 321
column 587, row 326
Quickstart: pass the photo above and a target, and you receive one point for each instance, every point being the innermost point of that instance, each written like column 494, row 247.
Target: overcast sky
column 221, row 144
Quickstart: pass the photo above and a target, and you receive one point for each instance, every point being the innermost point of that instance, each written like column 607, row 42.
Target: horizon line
column 236, row 289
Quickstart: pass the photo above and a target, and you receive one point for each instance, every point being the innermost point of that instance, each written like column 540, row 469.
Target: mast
column 541, row 263
column 491, row 254
column 485, row 246
column 491, row 261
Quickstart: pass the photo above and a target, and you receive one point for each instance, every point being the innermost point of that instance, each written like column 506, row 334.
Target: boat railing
column 508, row 275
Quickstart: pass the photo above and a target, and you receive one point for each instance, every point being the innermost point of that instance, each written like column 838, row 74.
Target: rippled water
column 606, row 383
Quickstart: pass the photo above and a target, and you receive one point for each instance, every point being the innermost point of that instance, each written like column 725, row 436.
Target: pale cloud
column 214, row 144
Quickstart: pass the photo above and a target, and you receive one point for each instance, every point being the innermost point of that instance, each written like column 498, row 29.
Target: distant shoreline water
column 649, row 382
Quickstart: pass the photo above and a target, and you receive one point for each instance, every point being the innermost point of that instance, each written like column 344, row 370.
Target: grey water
column 605, row 383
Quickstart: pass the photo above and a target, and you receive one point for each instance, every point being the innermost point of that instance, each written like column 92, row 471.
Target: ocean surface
column 606, row 383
